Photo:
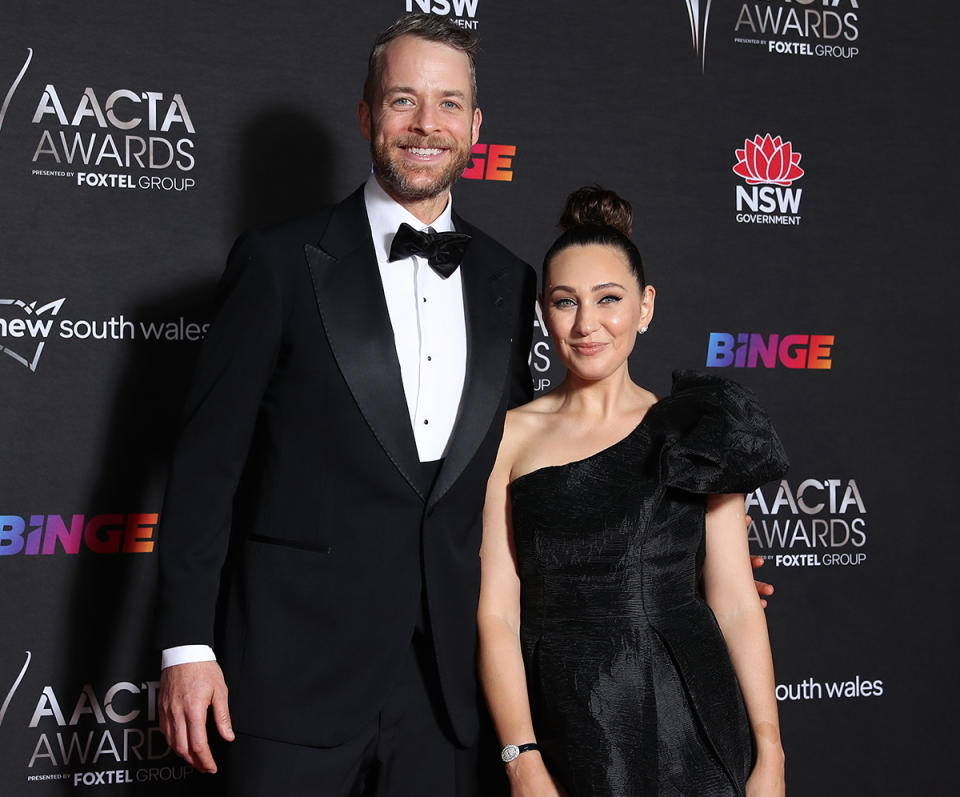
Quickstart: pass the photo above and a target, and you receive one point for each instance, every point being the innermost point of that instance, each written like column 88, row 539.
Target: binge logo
column 749, row 350
column 52, row 534
column 769, row 162
column 464, row 11
column 491, row 162
column 23, row 338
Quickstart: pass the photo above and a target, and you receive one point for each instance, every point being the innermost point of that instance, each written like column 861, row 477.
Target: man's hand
column 756, row 562
column 186, row 691
column 763, row 588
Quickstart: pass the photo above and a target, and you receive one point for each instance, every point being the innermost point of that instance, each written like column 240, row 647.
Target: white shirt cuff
column 186, row 654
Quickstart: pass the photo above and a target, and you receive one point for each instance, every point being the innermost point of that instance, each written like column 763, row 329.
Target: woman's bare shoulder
column 531, row 417
column 524, row 423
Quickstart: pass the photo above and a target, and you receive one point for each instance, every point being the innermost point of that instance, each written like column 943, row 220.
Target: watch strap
column 511, row 751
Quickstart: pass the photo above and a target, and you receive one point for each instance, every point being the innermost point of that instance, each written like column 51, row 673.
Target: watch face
column 510, row 752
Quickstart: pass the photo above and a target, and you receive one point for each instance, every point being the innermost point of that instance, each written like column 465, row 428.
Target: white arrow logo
column 698, row 28
column 9, row 697
column 34, row 327
column 13, row 88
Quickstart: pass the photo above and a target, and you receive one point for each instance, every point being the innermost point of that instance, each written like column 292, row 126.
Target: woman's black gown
column 630, row 682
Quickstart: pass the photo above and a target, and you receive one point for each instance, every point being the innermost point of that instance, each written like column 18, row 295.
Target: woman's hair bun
column 597, row 206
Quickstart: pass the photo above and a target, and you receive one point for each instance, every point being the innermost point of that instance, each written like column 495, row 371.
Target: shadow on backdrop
column 285, row 170
column 113, row 599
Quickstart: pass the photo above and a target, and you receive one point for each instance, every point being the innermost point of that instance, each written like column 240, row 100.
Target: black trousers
column 405, row 751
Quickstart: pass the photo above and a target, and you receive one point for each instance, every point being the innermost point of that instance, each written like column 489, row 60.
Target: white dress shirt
column 429, row 332
column 429, row 329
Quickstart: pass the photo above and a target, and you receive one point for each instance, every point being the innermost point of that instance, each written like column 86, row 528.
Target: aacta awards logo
column 540, row 358
column 817, row 28
column 157, row 156
column 464, row 11
column 114, row 138
column 769, row 166
column 94, row 735
column 817, row 522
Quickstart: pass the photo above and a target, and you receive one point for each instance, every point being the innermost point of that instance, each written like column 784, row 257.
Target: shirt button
column 424, row 298
column 425, row 421
column 429, row 358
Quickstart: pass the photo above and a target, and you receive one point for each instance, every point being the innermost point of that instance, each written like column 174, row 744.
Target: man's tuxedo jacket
column 296, row 477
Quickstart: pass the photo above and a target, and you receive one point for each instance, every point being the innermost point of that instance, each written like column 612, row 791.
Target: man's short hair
column 424, row 26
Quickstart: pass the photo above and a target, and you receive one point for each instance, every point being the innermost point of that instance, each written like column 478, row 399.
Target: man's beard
column 398, row 178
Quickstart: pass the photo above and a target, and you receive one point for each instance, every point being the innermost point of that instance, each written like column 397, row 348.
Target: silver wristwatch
column 511, row 751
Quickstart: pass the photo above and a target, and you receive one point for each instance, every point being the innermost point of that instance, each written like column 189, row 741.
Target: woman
column 604, row 511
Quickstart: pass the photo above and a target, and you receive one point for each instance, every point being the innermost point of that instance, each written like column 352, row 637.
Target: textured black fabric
column 631, row 685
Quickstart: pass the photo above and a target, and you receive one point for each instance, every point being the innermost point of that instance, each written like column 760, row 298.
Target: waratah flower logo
column 768, row 160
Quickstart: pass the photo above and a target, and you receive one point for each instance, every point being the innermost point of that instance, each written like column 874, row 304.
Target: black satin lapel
column 354, row 313
column 488, row 342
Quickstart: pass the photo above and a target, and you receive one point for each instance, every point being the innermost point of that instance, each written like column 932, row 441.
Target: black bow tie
column 443, row 250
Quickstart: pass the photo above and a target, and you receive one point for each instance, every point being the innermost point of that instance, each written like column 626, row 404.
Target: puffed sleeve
column 719, row 439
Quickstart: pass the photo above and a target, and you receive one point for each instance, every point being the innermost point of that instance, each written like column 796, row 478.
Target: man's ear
column 475, row 127
column 363, row 118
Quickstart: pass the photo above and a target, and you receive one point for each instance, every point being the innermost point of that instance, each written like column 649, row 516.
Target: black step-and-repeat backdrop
column 794, row 178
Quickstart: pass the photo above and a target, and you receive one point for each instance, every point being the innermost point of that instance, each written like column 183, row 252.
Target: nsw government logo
column 25, row 328
column 830, row 688
column 462, row 12
column 23, row 338
column 769, row 166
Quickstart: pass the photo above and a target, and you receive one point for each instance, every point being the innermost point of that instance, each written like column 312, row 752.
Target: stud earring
column 643, row 330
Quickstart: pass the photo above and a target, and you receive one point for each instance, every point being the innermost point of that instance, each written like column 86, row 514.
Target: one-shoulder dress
column 630, row 682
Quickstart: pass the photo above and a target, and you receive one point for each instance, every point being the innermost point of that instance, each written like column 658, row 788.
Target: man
column 344, row 417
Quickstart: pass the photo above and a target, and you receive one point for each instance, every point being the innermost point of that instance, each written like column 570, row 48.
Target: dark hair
column 424, row 26
column 595, row 215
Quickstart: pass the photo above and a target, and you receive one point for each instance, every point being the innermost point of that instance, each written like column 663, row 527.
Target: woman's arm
column 731, row 594
column 498, row 620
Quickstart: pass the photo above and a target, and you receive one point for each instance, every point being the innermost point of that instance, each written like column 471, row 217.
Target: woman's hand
column 529, row 777
column 767, row 778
